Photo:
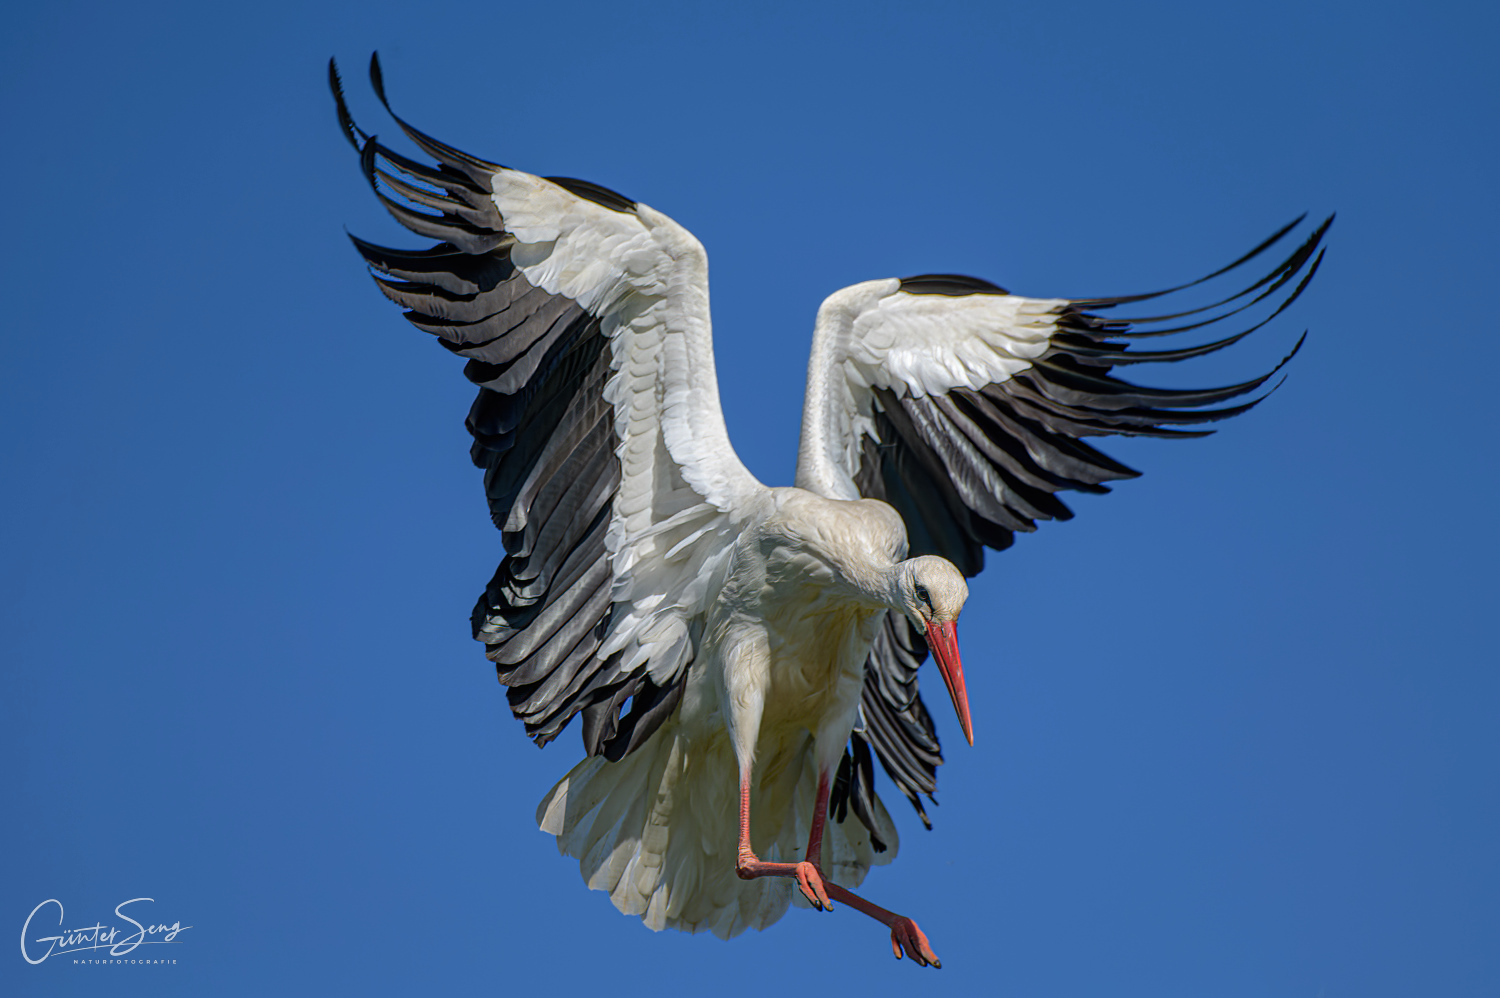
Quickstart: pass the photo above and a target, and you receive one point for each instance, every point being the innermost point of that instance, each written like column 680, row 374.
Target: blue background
column 1236, row 723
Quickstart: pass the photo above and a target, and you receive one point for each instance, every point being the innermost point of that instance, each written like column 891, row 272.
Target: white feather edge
column 874, row 335
column 682, row 489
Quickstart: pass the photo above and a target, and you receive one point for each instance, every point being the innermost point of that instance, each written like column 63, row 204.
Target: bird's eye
column 922, row 595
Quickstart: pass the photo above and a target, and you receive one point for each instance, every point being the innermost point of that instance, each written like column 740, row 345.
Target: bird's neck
column 881, row 585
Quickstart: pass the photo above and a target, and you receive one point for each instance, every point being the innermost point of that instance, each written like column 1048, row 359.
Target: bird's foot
column 906, row 936
column 810, row 879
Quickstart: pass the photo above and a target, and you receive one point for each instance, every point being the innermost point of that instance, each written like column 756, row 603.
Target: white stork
column 735, row 649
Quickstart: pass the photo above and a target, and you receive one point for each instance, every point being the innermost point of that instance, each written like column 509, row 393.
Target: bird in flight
column 738, row 655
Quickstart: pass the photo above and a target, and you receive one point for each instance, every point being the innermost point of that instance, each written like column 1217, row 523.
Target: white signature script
column 98, row 935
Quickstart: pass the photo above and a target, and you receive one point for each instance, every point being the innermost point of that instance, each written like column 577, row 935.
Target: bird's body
column 782, row 663
column 736, row 653
column 793, row 624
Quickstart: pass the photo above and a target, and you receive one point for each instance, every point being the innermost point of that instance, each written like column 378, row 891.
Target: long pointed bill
column 942, row 638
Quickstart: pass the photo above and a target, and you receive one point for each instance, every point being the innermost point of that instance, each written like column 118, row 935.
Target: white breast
column 819, row 605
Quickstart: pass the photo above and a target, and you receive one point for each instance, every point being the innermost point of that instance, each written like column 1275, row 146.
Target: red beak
column 942, row 638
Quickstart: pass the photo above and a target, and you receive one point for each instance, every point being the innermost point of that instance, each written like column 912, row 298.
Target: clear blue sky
column 1236, row 722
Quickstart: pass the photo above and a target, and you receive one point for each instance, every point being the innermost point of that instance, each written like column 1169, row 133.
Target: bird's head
column 931, row 592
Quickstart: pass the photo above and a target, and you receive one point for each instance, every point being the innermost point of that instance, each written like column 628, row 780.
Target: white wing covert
column 964, row 407
column 584, row 318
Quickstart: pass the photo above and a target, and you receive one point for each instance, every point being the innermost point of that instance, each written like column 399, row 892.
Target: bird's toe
column 905, row 936
column 810, row 880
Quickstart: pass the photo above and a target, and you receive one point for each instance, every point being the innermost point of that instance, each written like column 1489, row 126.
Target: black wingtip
column 1269, row 392
column 1277, row 370
column 346, row 120
column 377, row 79
column 367, row 163
column 1273, row 239
column 1296, row 347
column 477, row 169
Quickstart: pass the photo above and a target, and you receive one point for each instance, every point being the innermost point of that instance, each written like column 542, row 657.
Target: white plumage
column 728, row 645
column 780, row 663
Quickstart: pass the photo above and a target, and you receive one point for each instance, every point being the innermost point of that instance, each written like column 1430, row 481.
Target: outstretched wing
column 965, row 408
column 584, row 318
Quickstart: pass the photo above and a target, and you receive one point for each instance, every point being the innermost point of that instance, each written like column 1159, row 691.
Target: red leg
column 814, row 852
column 748, row 867
column 904, row 932
column 906, row 938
